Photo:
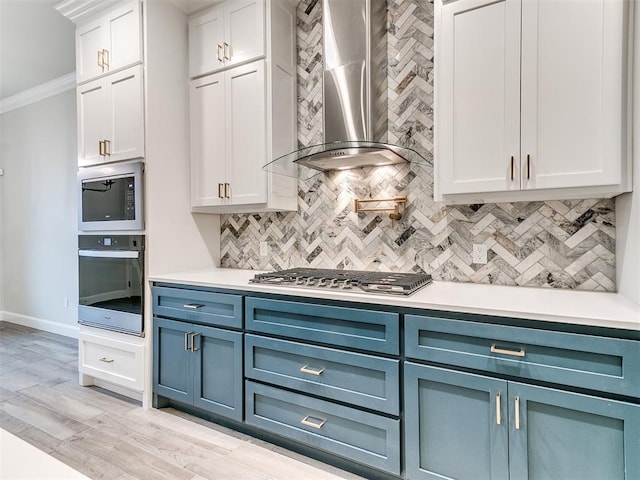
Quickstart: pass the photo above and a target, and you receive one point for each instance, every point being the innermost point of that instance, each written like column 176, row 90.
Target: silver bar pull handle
column 193, row 342
column 502, row 351
column 498, row 415
column 193, row 306
column 186, row 341
column 517, row 412
column 311, row 371
column 106, row 360
column 309, row 423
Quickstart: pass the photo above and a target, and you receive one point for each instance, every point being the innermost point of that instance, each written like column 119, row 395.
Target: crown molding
column 41, row 92
column 79, row 10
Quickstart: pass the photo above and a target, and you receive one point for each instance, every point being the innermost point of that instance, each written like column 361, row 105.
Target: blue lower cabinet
column 556, row 434
column 200, row 366
column 466, row 426
column 363, row 437
column 456, row 425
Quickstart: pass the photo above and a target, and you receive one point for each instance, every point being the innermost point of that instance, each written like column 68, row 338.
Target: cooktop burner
column 376, row 282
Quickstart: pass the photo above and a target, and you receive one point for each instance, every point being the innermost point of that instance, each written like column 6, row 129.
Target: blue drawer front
column 598, row 363
column 354, row 378
column 344, row 327
column 208, row 308
column 360, row 436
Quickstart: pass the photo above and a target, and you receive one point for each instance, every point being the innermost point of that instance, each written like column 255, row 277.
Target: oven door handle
column 109, row 253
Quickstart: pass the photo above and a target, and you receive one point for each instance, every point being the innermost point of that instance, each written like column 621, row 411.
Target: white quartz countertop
column 599, row 309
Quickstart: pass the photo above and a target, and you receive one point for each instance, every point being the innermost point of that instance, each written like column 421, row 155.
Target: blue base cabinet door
column 199, row 366
column 218, row 371
column 564, row 435
column 456, row 425
column 172, row 360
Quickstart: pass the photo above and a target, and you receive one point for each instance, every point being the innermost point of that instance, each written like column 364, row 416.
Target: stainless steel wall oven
column 111, row 282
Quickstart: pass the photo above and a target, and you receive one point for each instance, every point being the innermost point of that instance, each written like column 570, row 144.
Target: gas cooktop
column 346, row 280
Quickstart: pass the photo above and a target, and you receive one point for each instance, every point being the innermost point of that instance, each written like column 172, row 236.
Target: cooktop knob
column 346, row 285
column 333, row 283
column 310, row 281
column 322, row 282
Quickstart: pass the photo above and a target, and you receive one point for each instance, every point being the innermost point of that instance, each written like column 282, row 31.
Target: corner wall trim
column 40, row 324
column 38, row 93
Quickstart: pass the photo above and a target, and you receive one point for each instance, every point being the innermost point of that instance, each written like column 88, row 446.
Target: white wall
column 39, row 251
column 628, row 205
column 178, row 240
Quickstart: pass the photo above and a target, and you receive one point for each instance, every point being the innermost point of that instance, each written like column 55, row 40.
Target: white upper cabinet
column 244, row 117
column 531, row 100
column 229, row 34
column 111, row 118
column 110, row 42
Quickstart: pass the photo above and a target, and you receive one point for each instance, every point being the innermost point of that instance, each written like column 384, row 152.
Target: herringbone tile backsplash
column 559, row 244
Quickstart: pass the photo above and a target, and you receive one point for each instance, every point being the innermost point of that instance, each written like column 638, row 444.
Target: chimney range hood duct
column 354, row 85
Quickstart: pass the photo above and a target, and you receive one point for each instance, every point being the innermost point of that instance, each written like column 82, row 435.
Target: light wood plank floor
column 106, row 436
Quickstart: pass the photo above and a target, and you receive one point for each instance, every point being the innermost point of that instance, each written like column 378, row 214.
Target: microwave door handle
column 109, row 253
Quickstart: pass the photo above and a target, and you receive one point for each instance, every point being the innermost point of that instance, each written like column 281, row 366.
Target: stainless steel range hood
column 354, row 85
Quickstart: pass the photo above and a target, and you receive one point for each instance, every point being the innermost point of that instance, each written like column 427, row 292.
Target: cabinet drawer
column 348, row 377
column 118, row 362
column 597, row 363
column 344, row 327
column 197, row 306
column 360, row 436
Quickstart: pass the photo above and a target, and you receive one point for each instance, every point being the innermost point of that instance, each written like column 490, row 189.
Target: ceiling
column 37, row 45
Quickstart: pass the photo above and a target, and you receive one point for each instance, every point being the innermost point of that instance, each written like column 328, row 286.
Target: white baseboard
column 40, row 324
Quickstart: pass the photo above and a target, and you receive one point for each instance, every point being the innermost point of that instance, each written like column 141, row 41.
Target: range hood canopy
column 354, row 93
column 345, row 155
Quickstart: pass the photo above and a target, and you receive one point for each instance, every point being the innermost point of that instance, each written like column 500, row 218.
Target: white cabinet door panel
column 125, row 102
column 206, row 37
column 125, row 36
column 246, row 133
column 479, row 107
column 90, row 39
column 208, row 127
column 572, row 76
column 92, row 99
column 244, row 30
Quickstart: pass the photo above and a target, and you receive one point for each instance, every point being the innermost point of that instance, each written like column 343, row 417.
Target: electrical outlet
column 264, row 249
column 479, row 255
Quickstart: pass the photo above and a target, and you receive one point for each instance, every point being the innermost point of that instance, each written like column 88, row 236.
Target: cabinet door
column 208, row 139
column 246, row 133
column 456, row 425
column 556, row 434
column 218, row 371
column 573, row 57
column 478, row 96
column 172, row 360
column 90, row 40
column 124, row 38
column 206, row 42
column 125, row 114
column 92, row 120
column 244, row 31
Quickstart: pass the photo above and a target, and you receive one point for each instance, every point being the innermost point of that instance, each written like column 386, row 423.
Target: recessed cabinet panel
column 479, row 96
column 244, row 28
column 246, row 134
column 208, row 140
column 126, row 105
column 90, row 40
column 92, row 102
column 572, row 104
column 125, row 36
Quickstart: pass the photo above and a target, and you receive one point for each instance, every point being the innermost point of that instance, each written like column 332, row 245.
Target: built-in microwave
column 110, row 197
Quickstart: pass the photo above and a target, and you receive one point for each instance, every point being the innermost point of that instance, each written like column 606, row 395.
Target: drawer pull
column 311, row 371
column 193, row 306
column 517, row 412
column 106, row 360
column 513, row 353
column 498, row 417
column 193, row 342
column 319, row 423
